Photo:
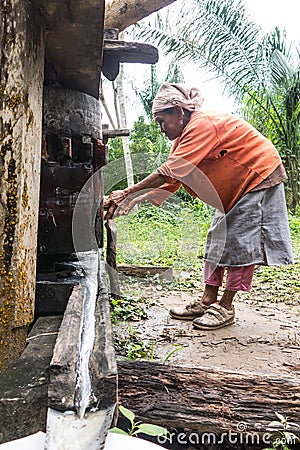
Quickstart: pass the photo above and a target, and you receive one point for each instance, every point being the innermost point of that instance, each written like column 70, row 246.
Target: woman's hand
column 116, row 197
column 122, row 208
column 126, row 206
column 112, row 202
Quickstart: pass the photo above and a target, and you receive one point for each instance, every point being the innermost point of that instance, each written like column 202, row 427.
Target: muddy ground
column 264, row 339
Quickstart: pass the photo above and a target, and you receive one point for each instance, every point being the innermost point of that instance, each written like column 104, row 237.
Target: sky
column 268, row 14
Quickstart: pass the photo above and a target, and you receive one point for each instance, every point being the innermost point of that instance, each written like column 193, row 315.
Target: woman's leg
column 213, row 277
column 221, row 314
column 238, row 279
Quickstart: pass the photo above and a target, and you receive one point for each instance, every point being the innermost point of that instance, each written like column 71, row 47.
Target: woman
column 227, row 163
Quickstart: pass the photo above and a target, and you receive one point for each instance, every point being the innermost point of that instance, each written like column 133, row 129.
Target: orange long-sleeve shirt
column 218, row 158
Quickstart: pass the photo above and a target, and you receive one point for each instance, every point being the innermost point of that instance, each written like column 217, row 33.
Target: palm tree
column 146, row 96
column 261, row 71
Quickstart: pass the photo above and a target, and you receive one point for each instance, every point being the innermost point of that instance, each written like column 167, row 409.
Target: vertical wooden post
column 111, row 258
column 22, row 69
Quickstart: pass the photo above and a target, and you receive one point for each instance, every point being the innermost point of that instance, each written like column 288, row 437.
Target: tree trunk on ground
column 121, row 14
column 206, row 400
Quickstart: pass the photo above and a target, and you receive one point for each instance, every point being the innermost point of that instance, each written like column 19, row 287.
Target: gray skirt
column 254, row 231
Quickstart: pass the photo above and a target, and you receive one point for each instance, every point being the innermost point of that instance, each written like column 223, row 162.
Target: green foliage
column 283, row 438
column 171, row 235
column 145, row 140
column 177, row 348
column 127, row 308
column 146, row 96
column 275, row 108
column 139, row 427
column 175, row 234
column 115, row 149
column 130, row 345
column 294, row 223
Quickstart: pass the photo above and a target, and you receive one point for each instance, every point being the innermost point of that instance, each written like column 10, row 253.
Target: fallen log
column 164, row 272
column 206, row 400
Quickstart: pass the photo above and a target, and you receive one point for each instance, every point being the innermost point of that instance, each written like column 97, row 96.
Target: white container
column 113, row 441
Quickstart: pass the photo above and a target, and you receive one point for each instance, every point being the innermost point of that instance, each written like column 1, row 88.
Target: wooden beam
column 121, row 14
column 74, row 43
column 134, row 270
column 84, row 312
column 116, row 52
column 131, row 52
column 63, row 364
column 103, row 363
column 83, row 373
column 24, row 385
column 108, row 134
column 206, row 400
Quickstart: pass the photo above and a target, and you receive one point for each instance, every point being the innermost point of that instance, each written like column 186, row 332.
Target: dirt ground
column 265, row 338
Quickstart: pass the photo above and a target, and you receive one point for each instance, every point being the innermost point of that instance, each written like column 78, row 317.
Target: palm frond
column 213, row 34
column 281, row 70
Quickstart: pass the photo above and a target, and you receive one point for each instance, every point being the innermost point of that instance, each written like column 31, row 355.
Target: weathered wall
column 21, row 69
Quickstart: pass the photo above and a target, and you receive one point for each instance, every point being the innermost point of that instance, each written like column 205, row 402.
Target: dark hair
column 171, row 111
column 168, row 111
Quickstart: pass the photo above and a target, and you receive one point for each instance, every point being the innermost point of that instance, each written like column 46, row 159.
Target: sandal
column 216, row 316
column 190, row 311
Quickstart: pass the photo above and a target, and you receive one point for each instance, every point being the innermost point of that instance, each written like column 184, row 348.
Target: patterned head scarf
column 171, row 94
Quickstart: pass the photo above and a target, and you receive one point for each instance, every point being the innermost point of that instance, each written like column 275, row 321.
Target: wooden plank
column 115, row 52
column 108, row 134
column 130, row 52
column 103, row 364
column 63, row 364
column 205, row 400
column 82, row 313
column 24, row 385
column 111, row 258
column 121, row 15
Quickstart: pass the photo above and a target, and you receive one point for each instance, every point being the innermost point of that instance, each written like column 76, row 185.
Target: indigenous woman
column 227, row 163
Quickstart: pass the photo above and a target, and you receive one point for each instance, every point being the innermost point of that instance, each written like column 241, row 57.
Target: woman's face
column 171, row 124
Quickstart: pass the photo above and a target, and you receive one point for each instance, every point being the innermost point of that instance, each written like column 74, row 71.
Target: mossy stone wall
column 21, row 86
